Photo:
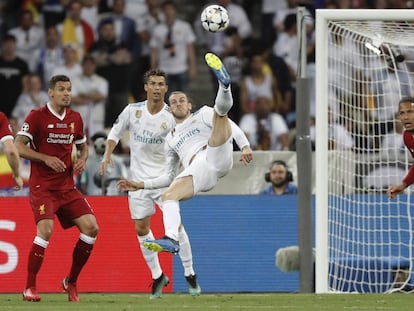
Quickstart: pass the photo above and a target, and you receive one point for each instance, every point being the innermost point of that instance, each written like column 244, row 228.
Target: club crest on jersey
column 164, row 125
column 138, row 114
column 72, row 127
column 42, row 209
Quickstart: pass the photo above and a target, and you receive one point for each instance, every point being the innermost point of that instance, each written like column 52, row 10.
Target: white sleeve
column 120, row 125
column 239, row 136
column 171, row 171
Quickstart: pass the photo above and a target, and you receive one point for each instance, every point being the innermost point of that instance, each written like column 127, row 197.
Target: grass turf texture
column 222, row 302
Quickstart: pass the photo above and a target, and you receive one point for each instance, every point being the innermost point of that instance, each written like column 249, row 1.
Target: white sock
column 172, row 218
column 151, row 258
column 39, row 241
column 224, row 100
column 185, row 252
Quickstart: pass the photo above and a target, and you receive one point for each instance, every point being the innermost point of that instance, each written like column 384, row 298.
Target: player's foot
column 30, row 294
column 193, row 288
column 216, row 65
column 158, row 285
column 165, row 244
column 71, row 289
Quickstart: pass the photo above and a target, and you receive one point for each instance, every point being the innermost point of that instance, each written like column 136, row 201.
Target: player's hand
column 394, row 190
column 104, row 163
column 55, row 163
column 246, row 155
column 79, row 165
column 19, row 182
column 129, row 185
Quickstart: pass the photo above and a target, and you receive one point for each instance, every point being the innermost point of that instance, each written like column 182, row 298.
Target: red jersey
column 409, row 143
column 5, row 129
column 53, row 135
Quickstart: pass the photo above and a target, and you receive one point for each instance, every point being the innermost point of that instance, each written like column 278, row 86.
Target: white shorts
column 209, row 165
column 142, row 202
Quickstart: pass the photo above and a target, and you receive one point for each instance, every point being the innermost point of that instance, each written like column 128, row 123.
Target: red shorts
column 65, row 204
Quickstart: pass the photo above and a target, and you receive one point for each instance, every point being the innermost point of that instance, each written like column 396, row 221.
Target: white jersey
column 193, row 134
column 187, row 139
column 146, row 138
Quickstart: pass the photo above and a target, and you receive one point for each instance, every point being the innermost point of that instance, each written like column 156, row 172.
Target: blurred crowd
column 105, row 46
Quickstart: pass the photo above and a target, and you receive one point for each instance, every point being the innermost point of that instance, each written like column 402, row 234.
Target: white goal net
column 365, row 65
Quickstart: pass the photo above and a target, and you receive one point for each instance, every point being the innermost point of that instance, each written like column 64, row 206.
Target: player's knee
column 91, row 230
column 169, row 195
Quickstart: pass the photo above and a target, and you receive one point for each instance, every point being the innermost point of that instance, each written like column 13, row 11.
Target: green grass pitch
column 222, row 302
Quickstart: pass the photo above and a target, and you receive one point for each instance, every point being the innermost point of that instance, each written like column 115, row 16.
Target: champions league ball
column 214, row 18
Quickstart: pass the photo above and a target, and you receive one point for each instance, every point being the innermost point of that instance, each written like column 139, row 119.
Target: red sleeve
column 409, row 143
column 409, row 178
column 5, row 129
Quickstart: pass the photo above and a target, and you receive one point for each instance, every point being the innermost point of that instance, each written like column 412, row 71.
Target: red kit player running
column 46, row 139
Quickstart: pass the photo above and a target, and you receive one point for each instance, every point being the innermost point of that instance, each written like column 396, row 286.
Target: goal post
column 365, row 64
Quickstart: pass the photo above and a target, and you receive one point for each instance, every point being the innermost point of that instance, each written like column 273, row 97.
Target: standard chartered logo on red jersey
column 60, row 138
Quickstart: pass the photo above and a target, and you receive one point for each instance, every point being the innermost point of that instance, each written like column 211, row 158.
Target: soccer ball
column 214, row 18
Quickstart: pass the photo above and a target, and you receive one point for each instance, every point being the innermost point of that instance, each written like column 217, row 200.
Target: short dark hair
column 168, row 2
column 8, row 37
column 56, row 79
column 407, row 99
column 154, row 72
column 88, row 57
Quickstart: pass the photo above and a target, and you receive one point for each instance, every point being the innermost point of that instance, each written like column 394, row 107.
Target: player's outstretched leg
column 216, row 65
column 165, row 244
column 224, row 98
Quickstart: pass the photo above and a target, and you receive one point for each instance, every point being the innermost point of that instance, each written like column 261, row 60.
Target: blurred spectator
column 32, row 98
column 338, row 136
column 280, row 71
column 92, row 183
column 281, row 180
column 125, row 27
column 125, row 34
column 233, row 61
column 71, row 66
column 268, row 10
column 12, row 71
column 258, row 84
column 266, row 130
column 286, row 44
column 149, row 18
column 29, row 38
column 134, row 8
column 90, row 13
column 89, row 93
column 75, row 31
column 50, row 56
column 291, row 8
column 392, row 143
column 391, row 80
column 53, row 12
column 172, row 49
column 112, row 63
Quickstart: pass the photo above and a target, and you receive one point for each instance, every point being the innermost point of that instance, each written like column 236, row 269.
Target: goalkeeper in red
column 406, row 114
column 203, row 143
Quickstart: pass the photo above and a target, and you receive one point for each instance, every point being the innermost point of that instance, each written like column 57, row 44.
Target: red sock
column 35, row 261
column 80, row 256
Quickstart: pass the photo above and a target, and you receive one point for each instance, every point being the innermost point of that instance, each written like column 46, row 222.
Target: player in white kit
column 149, row 122
column 203, row 143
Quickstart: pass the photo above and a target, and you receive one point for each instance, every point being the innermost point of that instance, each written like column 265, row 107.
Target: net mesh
column 370, row 68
